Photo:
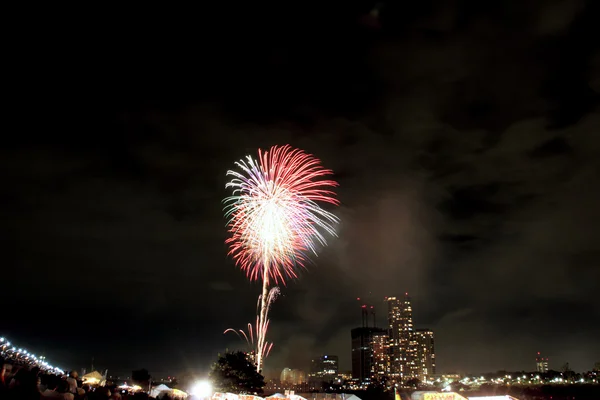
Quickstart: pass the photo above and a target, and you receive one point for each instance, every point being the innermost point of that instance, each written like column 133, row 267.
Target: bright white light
column 202, row 389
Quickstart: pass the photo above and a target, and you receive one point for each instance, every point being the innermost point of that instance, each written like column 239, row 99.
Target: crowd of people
column 27, row 382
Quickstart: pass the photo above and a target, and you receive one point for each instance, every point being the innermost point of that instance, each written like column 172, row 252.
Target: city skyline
column 396, row 353
column 382, row 351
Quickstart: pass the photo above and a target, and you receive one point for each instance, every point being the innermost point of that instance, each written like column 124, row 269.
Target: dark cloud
column 463, row 138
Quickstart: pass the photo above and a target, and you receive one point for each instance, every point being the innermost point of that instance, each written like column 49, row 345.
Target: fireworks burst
column 274, row 217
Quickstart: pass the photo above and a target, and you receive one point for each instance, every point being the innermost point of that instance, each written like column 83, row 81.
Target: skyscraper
column 286, row 375
column 403, row 347
column 292, row 376
column 425, row 354
column 541, row 363
column 362, row 351
column 324, row 368
column 380, row 365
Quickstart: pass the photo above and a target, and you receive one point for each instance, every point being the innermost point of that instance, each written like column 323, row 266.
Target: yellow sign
column 443, row 396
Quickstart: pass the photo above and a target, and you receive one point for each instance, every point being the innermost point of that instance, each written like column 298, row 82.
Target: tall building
column 292, row 376
column 380, row 365
column 286, row 375
column 300, row 377
column 324, row 368
column 362, row 351
column 541, row 363
column 425, row 354
column 403, row 346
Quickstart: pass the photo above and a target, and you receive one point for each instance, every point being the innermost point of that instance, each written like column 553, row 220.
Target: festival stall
column 158, row 390
column 162, row 389
column 178, row 394
column 94, row 379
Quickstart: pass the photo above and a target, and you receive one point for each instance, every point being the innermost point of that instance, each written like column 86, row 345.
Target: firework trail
column 257, row 340
column 274, row 217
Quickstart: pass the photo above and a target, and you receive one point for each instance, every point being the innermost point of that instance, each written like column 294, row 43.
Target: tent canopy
column 155, row 391
column 93, row 375
column 352, row 397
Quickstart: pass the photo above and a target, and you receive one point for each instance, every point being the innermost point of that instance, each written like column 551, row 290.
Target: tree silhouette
column 234, row 373
column 413, row 382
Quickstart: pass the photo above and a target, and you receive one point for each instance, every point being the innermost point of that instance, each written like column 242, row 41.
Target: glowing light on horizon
column 202, row 389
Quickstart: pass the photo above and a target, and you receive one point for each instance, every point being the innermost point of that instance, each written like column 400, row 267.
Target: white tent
column 156, row 391
column 296, row 397
column 276, row 396
column 93, row 378
column 350, row 397
column 93, row 375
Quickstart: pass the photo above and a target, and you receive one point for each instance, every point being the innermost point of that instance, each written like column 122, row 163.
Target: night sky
column 464, row 135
